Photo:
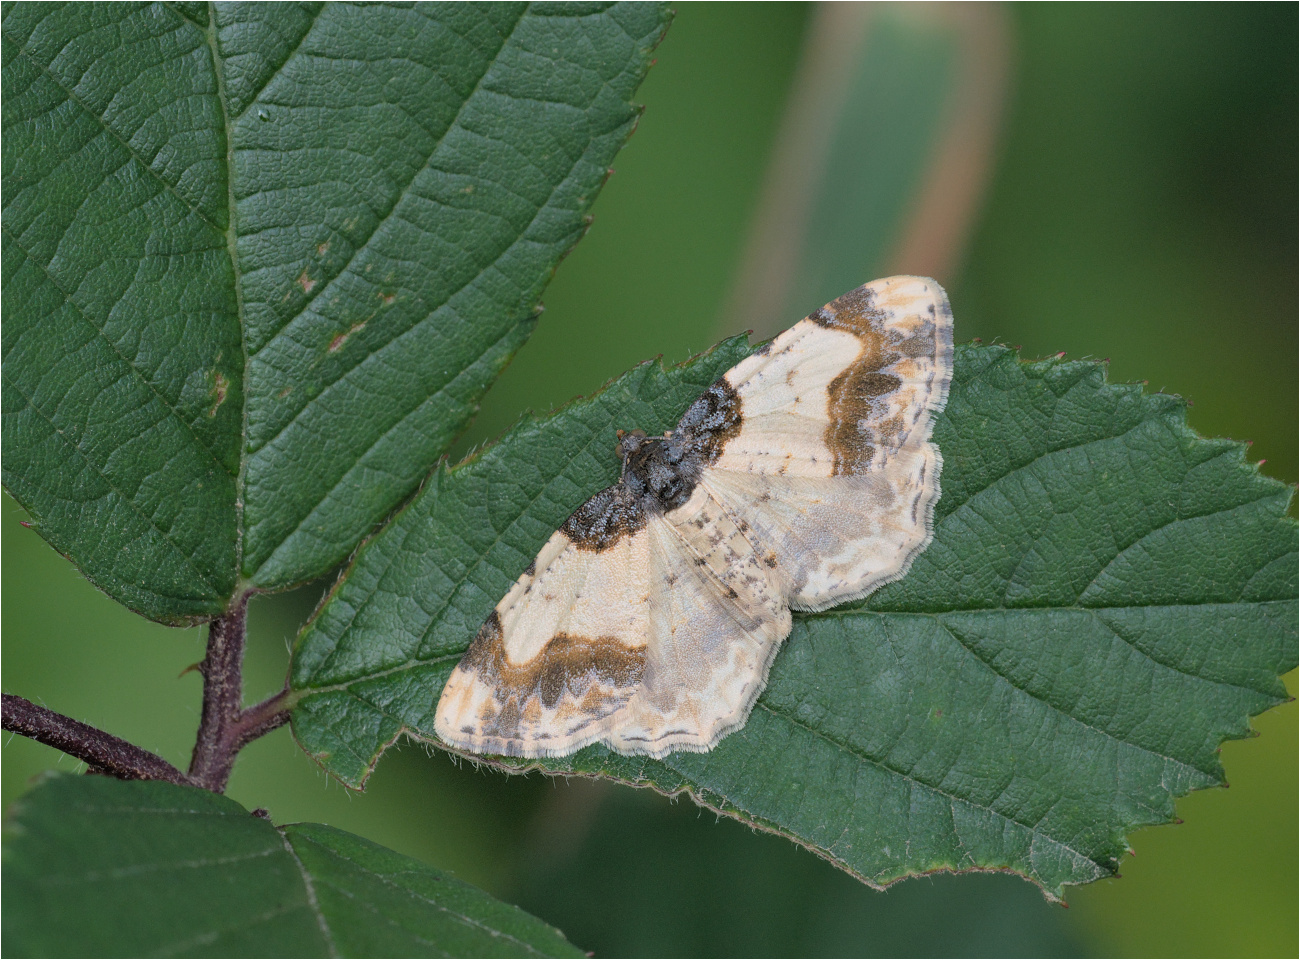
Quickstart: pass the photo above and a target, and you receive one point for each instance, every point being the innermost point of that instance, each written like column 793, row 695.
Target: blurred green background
column 1141, row 206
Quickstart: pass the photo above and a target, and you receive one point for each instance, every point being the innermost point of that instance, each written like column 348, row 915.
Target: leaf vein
column 1033, row 829
column 1166, row 526
column 312, row 902
column 360, row 459
column 398, row 195
column 126, row 145
column 253, row 95
column 387, row 881
column 1053, row 707
column 127, row 500
column 140, row 374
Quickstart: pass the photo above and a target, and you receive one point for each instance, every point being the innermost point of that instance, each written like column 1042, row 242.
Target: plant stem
column 97, row 748
column 224, row 728
column 222, row 669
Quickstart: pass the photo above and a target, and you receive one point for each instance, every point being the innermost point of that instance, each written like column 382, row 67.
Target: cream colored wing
column 717, row 621
column 651, row 633
column 832, row 465
column 562, row 651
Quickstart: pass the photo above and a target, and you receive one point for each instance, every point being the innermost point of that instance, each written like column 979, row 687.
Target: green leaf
column 101, row 867
column 1107, row 598
column 123, row 367
column 261, row 264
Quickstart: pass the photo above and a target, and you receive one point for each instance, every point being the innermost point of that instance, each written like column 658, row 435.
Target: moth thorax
column 661, row 469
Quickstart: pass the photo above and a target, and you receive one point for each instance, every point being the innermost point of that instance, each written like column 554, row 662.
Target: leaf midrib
column 231, row 235
column 347, row 683
column 1094, row 612
column 310, row 889
column 410, row 894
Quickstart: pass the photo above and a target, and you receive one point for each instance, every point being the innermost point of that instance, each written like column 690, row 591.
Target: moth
column 803, row 478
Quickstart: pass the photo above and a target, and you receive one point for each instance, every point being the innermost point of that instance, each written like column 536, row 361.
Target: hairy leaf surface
column 262, row 260
column 101, row 867
column 1107, row 598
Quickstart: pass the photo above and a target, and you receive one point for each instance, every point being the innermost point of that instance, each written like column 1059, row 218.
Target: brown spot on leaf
column 306, row 282
column 220, row 387
column 342, row 338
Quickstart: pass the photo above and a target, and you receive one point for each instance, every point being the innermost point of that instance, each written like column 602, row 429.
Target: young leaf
column 261, row 261
column 1107, row 597
column 101, row 867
